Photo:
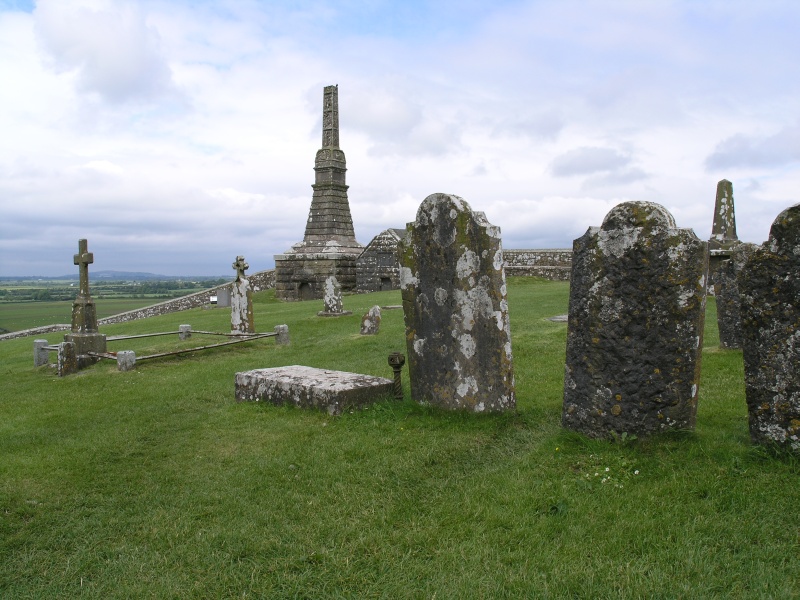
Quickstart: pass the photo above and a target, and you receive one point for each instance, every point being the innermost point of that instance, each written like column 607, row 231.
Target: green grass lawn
column 156, row 483
column 16, row 316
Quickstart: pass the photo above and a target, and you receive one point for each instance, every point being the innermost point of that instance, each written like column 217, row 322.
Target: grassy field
column 155, row 483
column 16, row 316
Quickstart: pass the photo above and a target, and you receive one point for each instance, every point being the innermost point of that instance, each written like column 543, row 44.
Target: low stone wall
column 550, row 264
column 263, row 280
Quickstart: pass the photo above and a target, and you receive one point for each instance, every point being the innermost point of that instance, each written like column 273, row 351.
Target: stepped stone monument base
column 308, row 387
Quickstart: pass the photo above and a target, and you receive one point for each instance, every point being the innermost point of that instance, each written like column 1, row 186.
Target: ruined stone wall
column 549, row 264
column 302, row 276
column 377, row 269
column 264, row 280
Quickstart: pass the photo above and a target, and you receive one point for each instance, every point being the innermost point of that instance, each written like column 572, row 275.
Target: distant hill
column 123, row 276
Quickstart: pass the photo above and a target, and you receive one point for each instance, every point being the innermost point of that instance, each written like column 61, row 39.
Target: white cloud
column 587, row 160
column 108, row 44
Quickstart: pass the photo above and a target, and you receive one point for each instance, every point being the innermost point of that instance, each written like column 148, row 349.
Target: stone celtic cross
column 240, row 266
column 83, row 259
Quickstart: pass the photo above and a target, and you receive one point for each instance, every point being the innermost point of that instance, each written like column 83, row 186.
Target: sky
column 175, row 135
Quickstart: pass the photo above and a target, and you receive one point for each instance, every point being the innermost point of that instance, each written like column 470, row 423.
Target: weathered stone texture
column 371, row 322
column 636, row 311
column 458, row 334
column 548, row 264
column 41, row 355
column 726, row 287
column 769, row 286
column 329, row 247
column 724, row 240
column 282, row 335
column 308, row 387
column 184, row 332
column 241, row 300
column 126, row 360
column 67, row 362
column 377, row 269
column 332, row 300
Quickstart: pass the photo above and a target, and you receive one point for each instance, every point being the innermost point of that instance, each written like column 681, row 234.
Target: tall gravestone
column 456, row 312
column 770, row 294
column 83, row 331
column 329, row 246
column 729, row 320
column 241, row 300
column 636, row 312
column 332, row 300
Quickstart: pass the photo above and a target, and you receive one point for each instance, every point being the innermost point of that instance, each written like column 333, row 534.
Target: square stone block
column 308, row 387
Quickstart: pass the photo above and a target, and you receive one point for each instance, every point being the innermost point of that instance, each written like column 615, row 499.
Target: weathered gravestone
column 371, row 322
column 308, row 387
column 770, row 293
column 726, row 287
column 241, row 300
column 84, row 333
column 453, row 286
column 67, row 362
column 723, row 239
column 332, row 299
column 41, row 355
column 636, row 311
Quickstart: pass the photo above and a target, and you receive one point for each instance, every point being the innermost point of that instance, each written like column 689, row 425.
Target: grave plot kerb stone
column 636, row 313
column 769, row 286
column 458, row 334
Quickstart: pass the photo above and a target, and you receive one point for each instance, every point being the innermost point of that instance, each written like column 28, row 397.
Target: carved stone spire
column 723, row 231
column 329, row 219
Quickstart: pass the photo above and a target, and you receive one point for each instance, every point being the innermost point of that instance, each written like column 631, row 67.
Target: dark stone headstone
column 634, row 337
column 729, row 319
column 769, row 286
column 453, row 286
column 67, row 359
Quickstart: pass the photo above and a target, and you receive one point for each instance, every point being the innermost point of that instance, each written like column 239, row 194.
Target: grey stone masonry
column 308, row 387
column 769, row 285
column 241, row 300
column 453, row 287
column 549, row 264
column 634, row 334
column 377, row 269
column 729, row 319
column 329, row 246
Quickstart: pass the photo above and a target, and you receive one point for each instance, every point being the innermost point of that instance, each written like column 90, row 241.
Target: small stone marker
column 224, row 297
column 726, row 287
column 282, row 338
column 634, row 335
column 67, row 359
column 307, row 387
column 770, row 291
column 371, row 322
column 41, row 355
column 453, row 287
column 126, row 360
column 184, row 332
column 332, row 299
column 241, row 300
column 396, row 361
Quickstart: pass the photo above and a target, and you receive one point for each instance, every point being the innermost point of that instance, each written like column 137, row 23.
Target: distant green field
column 15, row 316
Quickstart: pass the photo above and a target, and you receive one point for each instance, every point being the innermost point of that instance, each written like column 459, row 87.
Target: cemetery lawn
column 156, row 483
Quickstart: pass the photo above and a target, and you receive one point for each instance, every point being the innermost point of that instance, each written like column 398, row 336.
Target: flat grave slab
column 309, row 387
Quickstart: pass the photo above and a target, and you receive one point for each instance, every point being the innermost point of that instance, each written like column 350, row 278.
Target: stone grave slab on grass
column 309, row 387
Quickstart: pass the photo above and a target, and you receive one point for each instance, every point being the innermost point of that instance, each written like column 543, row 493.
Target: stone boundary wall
column 263, row 280
column 554, row 264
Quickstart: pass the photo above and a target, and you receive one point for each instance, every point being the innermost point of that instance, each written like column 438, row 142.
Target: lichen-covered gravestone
column 241, row 300
column 456, row 312
column 636, row 312
column 332, row 299
column 726, row 287
column 769, row 286
column 371, row 322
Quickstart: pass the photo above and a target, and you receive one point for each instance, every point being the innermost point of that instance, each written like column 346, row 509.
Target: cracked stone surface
column 769, row 285
column 308, row 387
column 634, row 334
column 455, row 307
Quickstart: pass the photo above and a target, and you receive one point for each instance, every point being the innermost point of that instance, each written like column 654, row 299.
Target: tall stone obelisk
column 329, row 247
column 723, row 241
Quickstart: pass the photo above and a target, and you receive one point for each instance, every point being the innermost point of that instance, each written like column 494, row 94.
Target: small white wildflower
column 606, row 469
column 636, row 472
